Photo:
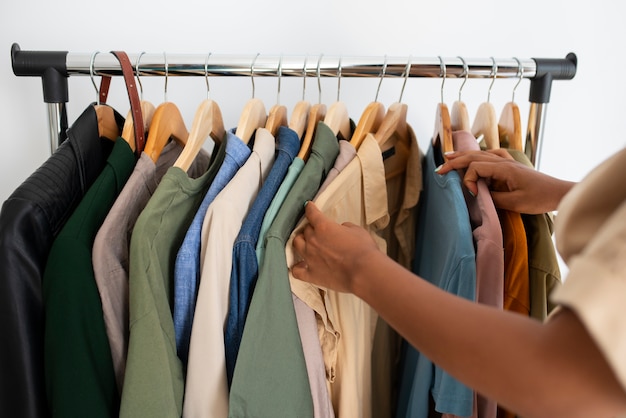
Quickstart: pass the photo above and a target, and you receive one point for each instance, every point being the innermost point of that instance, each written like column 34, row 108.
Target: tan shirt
column 346, row 323
column 591, row 237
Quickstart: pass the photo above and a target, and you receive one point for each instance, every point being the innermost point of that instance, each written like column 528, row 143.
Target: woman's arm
column 537, row 370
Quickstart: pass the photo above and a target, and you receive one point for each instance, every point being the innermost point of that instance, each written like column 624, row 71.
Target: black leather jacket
column 30, row 219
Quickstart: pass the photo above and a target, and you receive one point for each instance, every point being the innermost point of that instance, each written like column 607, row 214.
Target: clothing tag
column 389, row 153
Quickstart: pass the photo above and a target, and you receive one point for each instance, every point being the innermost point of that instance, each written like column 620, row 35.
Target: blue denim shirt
column 245, row 267
column 187, row 268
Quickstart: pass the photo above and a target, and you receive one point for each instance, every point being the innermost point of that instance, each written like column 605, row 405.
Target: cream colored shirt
column 591, row 237
column 206, row 389
column 345, row 323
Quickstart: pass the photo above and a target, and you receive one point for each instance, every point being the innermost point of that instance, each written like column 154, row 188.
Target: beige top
column 591, row 237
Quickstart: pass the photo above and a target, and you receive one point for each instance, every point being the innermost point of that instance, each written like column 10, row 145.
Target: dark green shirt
column 270, row 378
column 154, row 382
column 80, row 381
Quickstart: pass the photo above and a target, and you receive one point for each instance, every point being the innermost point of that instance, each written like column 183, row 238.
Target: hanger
column 147, row 111
column 394, row 133
column 485, row 121
column 316, row 115
column 253, row 115
column 510, row 124
column 443, row 125
column 337, row 117
column 167, row 122
column 278, row 113
column 372, row 116
column 107, row 125
column 207, row 122
column 460, row 116
column 300, row 113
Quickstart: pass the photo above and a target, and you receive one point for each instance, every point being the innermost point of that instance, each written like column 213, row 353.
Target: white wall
column 583, row 124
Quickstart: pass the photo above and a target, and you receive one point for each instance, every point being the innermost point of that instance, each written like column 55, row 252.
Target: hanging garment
column 206, row 388
column 487, row 234
column 516, row 276
column 29, row 221
column 293, row 173
column 153, row 382
column 188, row 259
column 245, row 268
column 544, row 272
column 317, row 368
column 357, row 195
column 75, row 338
column 445, row 256
column 591, row 238
column 271, row 349
column 403, row 193
column 111, row 246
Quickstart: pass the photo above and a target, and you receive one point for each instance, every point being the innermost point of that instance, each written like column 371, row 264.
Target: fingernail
column 305, row 203
column 448, row 153
column 438, row 168
column 471, row 192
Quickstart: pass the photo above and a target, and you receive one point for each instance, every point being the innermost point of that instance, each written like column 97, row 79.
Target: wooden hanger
column 278, row 113
column 107, row 125
column 317, row 114
column 486, row 124
column 128, row 131
column 167, row 122
column 299, row 117
column 207, row 122
column 443, row 129
column 510, row 124
column 276, row 119
column 510, row 127
column 443, row 126
column 486, row 121
column 372, row 116
column 338, row 120
column 459, row 117
column 369, row 122
column 394, row 133
column 253, row 115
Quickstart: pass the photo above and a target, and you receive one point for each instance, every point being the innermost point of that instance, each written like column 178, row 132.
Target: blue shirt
column 187, row 267
column 245, row 267
column 444, row 256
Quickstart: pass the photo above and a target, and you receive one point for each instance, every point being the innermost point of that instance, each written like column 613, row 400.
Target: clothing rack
column 55, row 67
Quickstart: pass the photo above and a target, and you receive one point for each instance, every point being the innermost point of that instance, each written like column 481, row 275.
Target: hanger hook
column 319, row 82
column 138, row 73
column 382, row 75
column 206, row 75
column 92, row 73
column 339, row 78
column 252, row 72
column 280, row 75
column 443, row 75
column 520, row 75
column 166, row 76
column 494, row 74
column 465, row 75
column 407, row 71
column 306, row 58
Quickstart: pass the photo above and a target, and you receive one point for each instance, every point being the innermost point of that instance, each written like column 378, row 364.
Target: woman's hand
column 331, row 253
column 514, row 186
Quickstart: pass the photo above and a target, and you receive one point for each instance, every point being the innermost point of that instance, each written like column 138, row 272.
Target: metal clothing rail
column 55, row 67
